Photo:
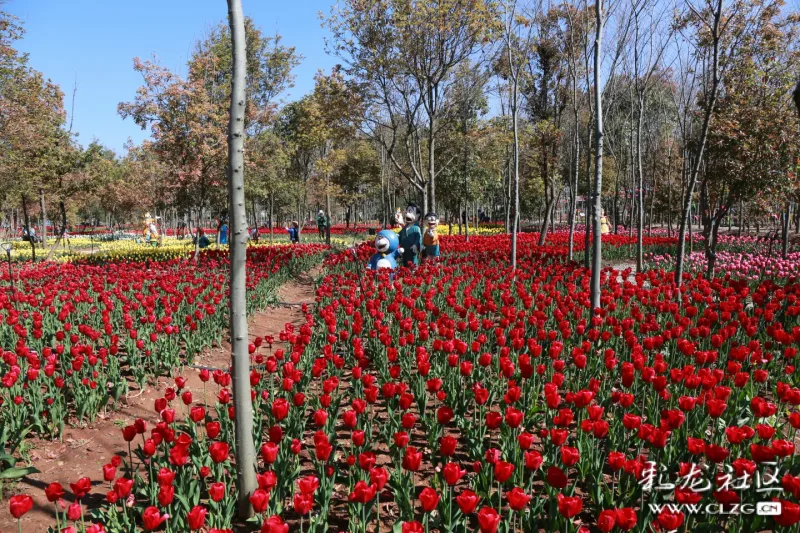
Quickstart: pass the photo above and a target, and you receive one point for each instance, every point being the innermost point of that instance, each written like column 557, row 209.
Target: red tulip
column 412, row 459
column 274, row 524
column 378, row 477
column 303, row 503
column 447, row 446
column 517, row 499
column 269, row 452
column 626, row 518
column 790, row 513
column 219, row 451
column 259, row 500
column 556, row 478
column 165, row 495
column 152, row 518
column 196, row 518
column 452, row 472
column 109, row 472
column 216, row 491
column 670, row 520
column 569, row 506
column 308, row 484
column 54, row 492
column 570, row 456
column 122, row 487
column 19, row 505
column 488, row 520
column 467, row 501
column 213, row 429
column 503, row 471
column 81, row 487
column 429, row 499
column 607, row 520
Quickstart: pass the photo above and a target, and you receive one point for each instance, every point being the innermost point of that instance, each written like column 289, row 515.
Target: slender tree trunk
column 466, row 175
column 587, row 202
column 515, row 221
column 597, row 251
column 272, row 217
column 245, row 450
column 640, row 172
column 669, row 192
column 431, row 155
column 786, row 216
column 44, row 217
column 507, row 193
column 574, row 193
column 27, row 223
column 701, row 145
column 328, row 209
column 62, row 233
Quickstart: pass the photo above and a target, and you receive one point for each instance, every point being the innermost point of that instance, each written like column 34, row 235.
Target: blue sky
column 95, row 41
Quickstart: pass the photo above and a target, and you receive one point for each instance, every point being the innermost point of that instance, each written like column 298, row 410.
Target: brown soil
column 84, row 450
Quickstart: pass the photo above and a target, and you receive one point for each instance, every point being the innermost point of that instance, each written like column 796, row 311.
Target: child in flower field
column 604, row 229
column 294, row 232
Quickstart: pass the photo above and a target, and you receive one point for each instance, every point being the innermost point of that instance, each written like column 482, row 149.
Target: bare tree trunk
column 272, row 218
column 44, row 218
column 466, row 176
column 28, row 226
column 574, row 193
column 640, row 172
column 431, row 156
column 786, row 215
column 62, row 233
column 587, row 223
column 669, row 192
column 514, row 127
column 328, row 210
column 701, row 145
column 597, row 251
column 245, row 450
column 507, row 193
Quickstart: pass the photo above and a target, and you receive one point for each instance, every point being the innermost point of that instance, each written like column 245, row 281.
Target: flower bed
column 462, row 396
column 76, row 336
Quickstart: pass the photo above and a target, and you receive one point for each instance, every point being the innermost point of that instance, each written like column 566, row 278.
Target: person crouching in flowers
column 430, row 239
column 387, row 251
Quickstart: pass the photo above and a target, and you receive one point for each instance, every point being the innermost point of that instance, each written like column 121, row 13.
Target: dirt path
column 85, row 450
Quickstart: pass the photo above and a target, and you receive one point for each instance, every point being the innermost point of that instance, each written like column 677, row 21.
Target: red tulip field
column 459, row 396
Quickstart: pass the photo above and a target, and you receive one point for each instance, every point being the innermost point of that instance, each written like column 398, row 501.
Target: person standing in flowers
column 223, row 233
column 430, row 239
column 411, row 236
column 604, row 229
column 322, row 224
column 294, row 232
